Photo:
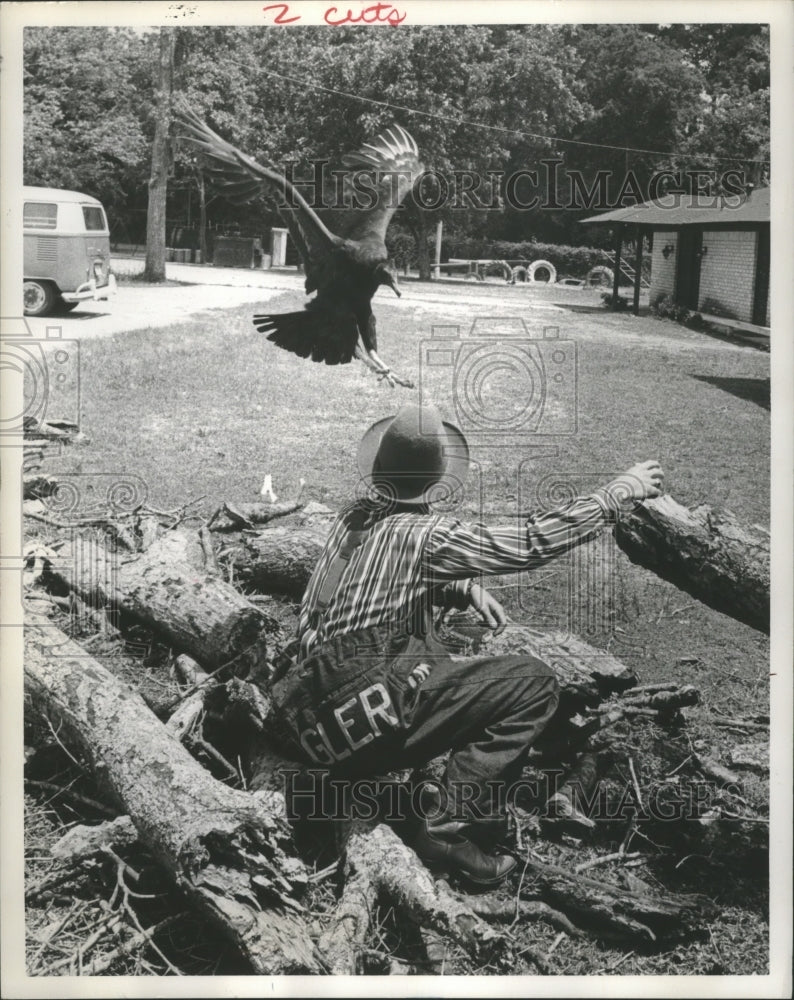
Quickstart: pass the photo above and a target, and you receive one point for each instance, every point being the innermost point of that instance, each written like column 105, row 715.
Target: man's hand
column 642, row 481
column 487, row 607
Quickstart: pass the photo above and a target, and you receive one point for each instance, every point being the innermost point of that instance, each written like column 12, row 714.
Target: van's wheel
column 66, row 307
column 38, row 298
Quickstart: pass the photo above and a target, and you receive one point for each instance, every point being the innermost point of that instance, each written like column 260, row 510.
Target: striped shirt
column 405, row 562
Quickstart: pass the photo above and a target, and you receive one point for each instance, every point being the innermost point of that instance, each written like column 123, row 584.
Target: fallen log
column 614, row 912
column 376, row 860
column 585, row 674
column 168, row 589
column 82, row 842
column 226, row 849
column 751, row 756
column 280, row 560
column 706, row 553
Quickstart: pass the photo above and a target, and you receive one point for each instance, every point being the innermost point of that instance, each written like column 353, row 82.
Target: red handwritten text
column 376, row 13
column 283, row 10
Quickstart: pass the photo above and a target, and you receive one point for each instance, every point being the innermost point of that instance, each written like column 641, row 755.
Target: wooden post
column 439, row 231
column 638, row 270
column 616, row 278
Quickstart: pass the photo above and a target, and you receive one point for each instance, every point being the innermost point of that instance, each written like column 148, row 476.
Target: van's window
column 39, row 215
column 94, row 217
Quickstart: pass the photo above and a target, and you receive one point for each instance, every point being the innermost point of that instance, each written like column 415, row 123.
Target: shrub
column 572, row 261
column 665, row 308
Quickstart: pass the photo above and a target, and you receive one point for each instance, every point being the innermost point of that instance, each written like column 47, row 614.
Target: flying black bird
column 345, row 270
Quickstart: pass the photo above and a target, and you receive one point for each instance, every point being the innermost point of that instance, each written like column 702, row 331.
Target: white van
column 66, row 250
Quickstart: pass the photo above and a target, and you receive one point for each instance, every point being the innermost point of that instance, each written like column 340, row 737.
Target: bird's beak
column 388, row 276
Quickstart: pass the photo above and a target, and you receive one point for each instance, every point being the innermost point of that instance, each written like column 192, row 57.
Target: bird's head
column 387, row 275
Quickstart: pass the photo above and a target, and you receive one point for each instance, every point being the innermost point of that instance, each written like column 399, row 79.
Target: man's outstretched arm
column 457, row 550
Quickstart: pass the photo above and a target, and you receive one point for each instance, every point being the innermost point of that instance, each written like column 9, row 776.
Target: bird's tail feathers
column 307, row 334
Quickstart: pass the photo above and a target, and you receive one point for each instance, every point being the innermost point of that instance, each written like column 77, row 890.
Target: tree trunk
column 423, row 253
column 417, row 221
column 202, row 214
column 224, row 848
column 158, row 180
column 708, row 554
column 169, row 590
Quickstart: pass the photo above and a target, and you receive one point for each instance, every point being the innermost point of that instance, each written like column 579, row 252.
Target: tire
column 38, row 297
column 65, row 307
column 600, row 276
column 544, row 265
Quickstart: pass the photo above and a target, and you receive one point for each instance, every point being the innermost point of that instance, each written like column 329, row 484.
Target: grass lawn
column 210, row 408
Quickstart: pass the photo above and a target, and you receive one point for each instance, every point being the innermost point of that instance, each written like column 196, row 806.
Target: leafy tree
column 85, row 94
column 293, row 96
column 734, row 120
column 730, row 57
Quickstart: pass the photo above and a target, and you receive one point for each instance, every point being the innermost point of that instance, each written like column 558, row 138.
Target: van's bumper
column 89, row 290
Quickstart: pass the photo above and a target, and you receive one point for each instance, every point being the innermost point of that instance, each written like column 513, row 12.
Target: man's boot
column 442, row 845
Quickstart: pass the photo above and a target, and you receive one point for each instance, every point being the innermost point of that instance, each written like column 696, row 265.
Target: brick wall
column 727, row 273
column 662, row 270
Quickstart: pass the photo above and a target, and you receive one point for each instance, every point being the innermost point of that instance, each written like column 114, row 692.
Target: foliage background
column 481, row 98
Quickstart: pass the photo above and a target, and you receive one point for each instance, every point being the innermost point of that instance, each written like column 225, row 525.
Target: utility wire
column 501, row 128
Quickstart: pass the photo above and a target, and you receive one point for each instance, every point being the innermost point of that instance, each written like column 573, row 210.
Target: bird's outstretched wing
column 324, row 331
column 379, row 176
column 241, row 179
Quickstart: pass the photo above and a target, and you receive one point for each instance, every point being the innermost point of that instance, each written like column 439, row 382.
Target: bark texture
column 226, row 849
column 708, row 554
column 169, row 589
column 154, row 269
column 612, row 912
column 585, row 674
column 377, row 861
column 281, row 559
